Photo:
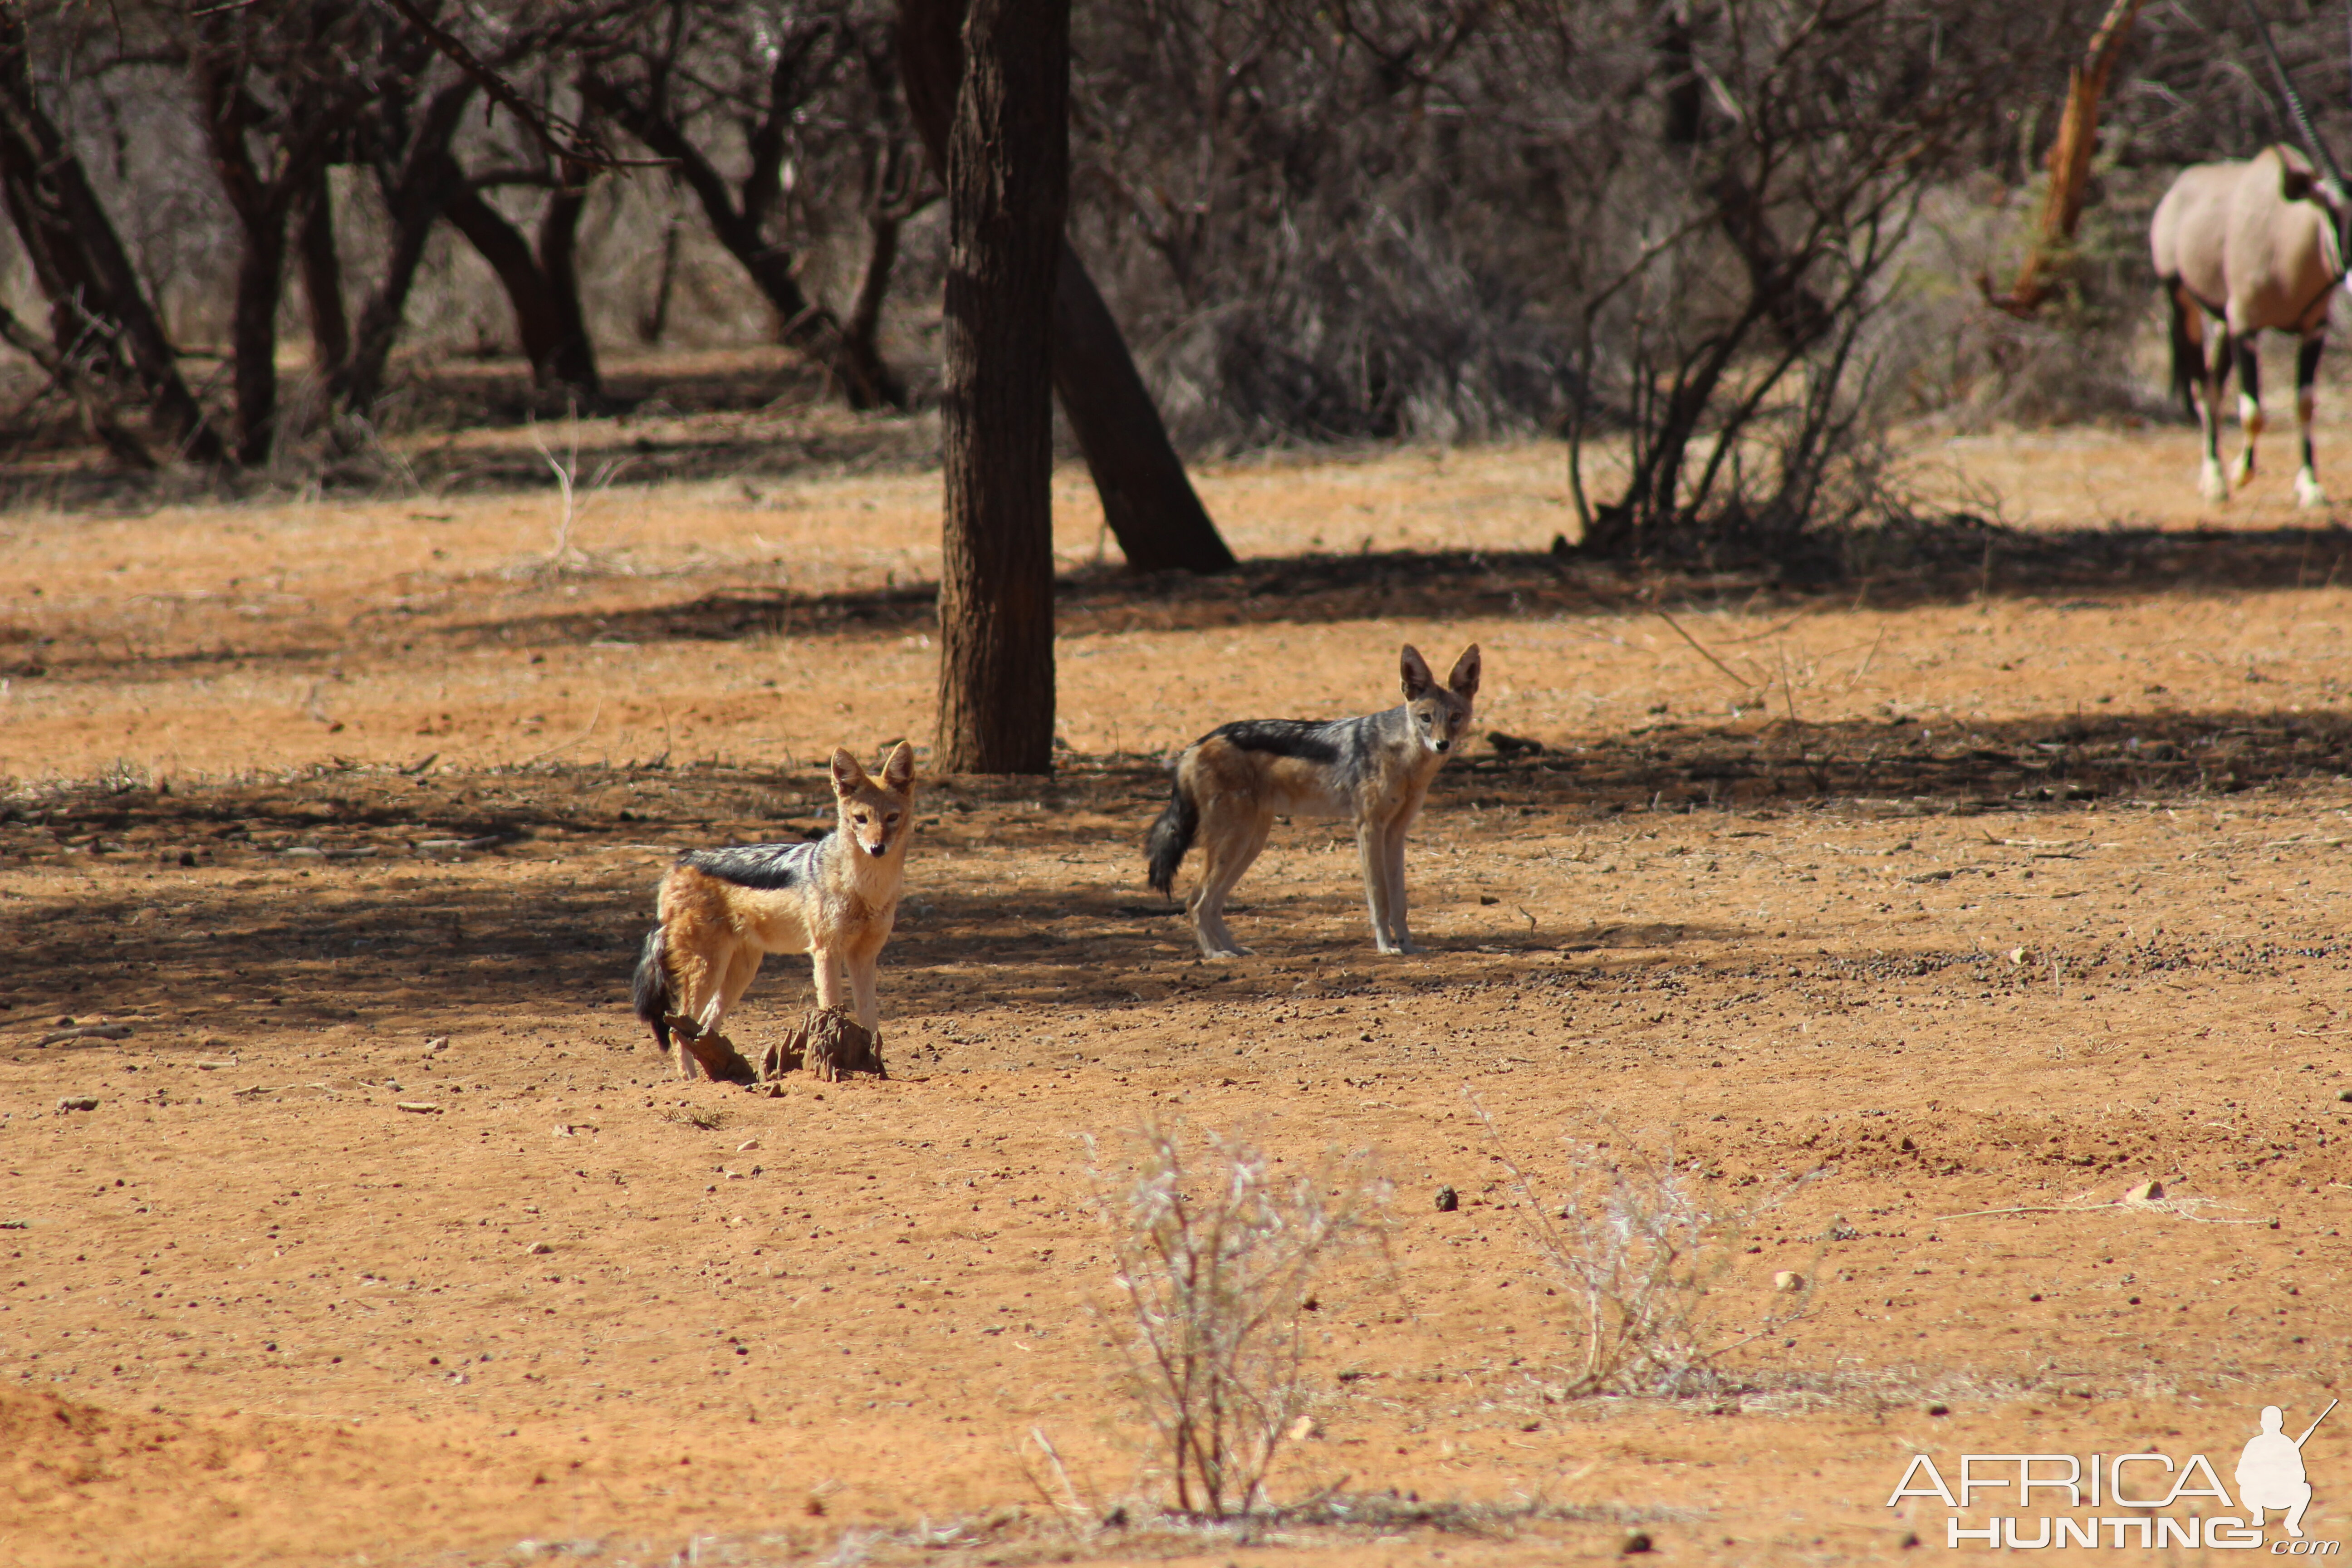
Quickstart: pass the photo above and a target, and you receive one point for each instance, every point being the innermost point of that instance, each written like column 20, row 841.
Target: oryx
column 2241, row 247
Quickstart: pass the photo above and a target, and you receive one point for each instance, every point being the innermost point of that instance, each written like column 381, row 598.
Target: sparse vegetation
column 1217, row 1254
column 1644, row 1257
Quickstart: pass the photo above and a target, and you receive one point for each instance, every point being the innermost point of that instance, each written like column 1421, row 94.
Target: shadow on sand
column 320, row 926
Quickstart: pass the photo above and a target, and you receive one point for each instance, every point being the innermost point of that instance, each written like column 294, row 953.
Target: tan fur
column 1239, row 791
column 714, row 932
column 2243, row 248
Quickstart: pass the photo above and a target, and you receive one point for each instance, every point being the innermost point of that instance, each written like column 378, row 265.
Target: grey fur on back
column 768, row 866
column 1344, row 745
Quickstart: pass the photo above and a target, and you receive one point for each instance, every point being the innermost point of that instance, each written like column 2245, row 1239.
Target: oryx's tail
column 1172, row 836
column 2187, row 353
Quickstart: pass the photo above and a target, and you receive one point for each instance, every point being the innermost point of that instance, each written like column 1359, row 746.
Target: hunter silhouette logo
column 2271, row 1479
column 2270, row 1472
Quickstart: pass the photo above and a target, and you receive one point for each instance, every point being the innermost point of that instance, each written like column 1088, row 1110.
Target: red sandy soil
column 1897, row 910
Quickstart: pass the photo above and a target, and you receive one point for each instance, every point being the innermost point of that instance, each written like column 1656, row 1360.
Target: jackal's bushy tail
column 650, row 989
column 1172, row 836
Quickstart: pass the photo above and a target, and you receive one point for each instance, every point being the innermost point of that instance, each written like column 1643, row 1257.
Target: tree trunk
column 78, row 258
column 2070, row 167
column 574, row 363
column 858, row 357
column 322, row 281
column 413, row 199
column 253, row 333
column 1008, row 188
column 742, row 227
column 544, row 326
column 262, row 206
column 1147, row 498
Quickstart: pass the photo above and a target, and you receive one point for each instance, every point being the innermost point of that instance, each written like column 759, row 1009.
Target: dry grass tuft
column 1217, row 1254
column 1635, row 1243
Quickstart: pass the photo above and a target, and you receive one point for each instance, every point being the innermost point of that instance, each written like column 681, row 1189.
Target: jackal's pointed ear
column 898, row 768
column 847, row 775
column 1465, row 678
column 1417, row 676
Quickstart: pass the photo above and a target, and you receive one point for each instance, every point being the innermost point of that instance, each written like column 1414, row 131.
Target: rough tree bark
column 541, row 288
column 2070, row 167
column 742, row 226
column 78, row 259
column 1147, row 498
column 1008, row 188
column 262, row 194
column 322, row 280
column 415, row 179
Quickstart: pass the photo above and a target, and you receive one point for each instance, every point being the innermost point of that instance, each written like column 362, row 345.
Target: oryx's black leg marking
column 2213, row 334
column 2250, row 401
column 2307, row 377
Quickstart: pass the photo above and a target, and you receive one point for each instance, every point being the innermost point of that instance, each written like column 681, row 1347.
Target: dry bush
column 1217, row 1255
column 1644, row 1254
column 2093, row 353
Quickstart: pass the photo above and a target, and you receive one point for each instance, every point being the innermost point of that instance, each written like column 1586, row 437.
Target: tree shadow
column 295, row 912
column 1957, row 561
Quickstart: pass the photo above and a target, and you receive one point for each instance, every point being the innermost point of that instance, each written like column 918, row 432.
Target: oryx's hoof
column 2307, row 492
column 2211, row 485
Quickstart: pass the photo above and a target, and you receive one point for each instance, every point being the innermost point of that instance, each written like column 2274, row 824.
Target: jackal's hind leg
column 698, row 961
column 1233, row 846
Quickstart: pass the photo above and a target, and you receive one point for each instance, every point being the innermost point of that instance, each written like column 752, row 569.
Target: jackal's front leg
column 1383, row 888
column 832, row 975
column 1392, row 872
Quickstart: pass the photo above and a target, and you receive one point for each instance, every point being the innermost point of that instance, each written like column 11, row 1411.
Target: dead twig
column 1745, row 685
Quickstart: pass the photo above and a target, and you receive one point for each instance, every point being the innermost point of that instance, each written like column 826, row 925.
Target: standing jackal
column 1232, row 782
column 721, row 911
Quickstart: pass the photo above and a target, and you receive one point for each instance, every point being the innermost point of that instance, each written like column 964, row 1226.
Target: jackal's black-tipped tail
column 1171, row 837
column 650, row 989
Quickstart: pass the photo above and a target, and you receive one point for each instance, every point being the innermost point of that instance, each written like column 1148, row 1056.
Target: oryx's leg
column 2250, row 407
column 2212, row 337
column 2307, row 372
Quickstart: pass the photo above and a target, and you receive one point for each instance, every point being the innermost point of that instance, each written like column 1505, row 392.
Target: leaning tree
column 1008, row 188
column 1146, row 500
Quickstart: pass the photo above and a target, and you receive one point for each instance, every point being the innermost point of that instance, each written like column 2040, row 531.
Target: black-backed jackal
column 721, row 911
column 1232, row 782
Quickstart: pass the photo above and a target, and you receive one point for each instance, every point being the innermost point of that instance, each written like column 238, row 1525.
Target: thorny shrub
column 1644, row 1257
column 1217, row 1252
